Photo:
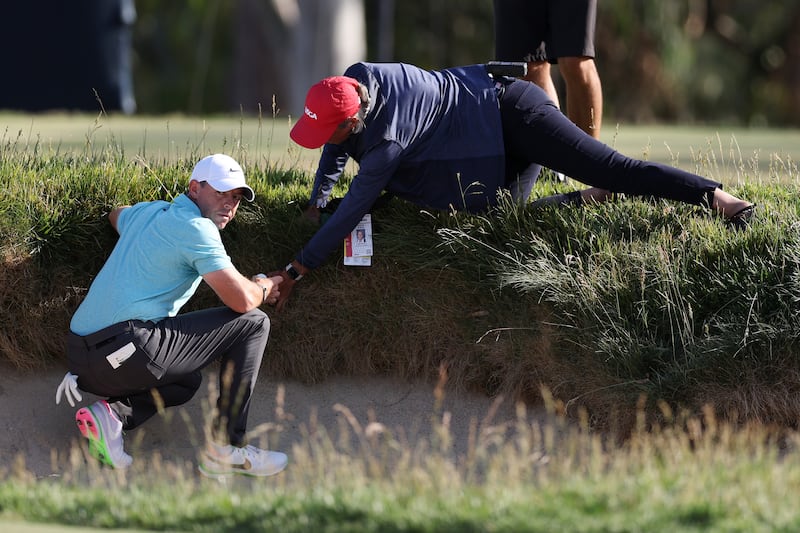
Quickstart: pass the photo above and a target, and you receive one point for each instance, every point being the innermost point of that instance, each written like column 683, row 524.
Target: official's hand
column 287, row 284
column 69, row 388
column 275, row 293
column 312, row 213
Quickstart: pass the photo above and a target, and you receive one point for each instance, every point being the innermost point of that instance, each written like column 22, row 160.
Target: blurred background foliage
column 716, row 62
column 689, row 61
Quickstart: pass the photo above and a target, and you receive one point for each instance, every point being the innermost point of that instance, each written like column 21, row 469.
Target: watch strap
column 293, row 272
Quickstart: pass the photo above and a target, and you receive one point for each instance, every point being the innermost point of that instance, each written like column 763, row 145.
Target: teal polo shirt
column 156, row 266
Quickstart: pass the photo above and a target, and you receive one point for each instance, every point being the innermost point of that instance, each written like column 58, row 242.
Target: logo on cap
column 327, row 104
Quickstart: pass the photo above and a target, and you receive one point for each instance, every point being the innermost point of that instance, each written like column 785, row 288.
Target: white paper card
column 117, row 357
column 358, row 244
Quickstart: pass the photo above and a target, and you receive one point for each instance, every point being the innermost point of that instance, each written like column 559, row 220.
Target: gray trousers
column 140, row 366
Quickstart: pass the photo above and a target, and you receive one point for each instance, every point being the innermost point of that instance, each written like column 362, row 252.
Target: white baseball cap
column 223, row 173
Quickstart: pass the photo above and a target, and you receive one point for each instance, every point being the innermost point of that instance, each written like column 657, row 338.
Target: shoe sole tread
column 92, row 430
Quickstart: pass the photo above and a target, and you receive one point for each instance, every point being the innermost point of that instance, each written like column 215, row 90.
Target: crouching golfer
column 128, row 343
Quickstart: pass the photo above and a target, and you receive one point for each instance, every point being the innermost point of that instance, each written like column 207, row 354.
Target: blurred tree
column 659, row 60
column 282, row 47
column 182, row 54
column 210, row 56
column 443, row 33
column 786, row 74
column 700, row 60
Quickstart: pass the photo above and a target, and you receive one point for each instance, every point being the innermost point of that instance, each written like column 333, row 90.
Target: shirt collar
column 184, row 202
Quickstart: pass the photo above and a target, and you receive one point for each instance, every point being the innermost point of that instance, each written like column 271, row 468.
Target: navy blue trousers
column 536, row 133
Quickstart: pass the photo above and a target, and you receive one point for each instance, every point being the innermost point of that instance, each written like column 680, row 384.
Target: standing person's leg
column 540, row 73
column 520, row 34
column 536, row 132
column 571, row 44
column 520, row 27
column 584, row 93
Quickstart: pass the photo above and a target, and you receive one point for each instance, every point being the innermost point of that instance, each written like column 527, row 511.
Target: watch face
column 294, row 274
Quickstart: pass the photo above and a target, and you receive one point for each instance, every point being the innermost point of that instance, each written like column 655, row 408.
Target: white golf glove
column 69, row 388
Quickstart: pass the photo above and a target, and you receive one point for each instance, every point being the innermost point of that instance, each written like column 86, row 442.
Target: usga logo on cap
column 332, row 101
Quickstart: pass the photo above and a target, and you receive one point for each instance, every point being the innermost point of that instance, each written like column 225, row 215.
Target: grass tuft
column 535, row 473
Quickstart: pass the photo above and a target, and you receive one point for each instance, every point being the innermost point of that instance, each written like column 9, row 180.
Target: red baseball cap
column 328, row 103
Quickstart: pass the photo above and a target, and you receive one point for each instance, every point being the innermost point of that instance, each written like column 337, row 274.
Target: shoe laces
column 252, row 451
column 236, row 454
column 114, row 441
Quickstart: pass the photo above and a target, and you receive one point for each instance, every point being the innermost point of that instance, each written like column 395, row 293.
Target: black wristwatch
column 293, row 273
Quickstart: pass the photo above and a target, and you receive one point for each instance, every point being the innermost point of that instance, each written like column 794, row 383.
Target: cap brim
column 248, row 193
column 309, row 133
column 225, row 185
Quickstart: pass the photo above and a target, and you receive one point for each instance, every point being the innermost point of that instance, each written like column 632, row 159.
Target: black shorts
column 544, row 30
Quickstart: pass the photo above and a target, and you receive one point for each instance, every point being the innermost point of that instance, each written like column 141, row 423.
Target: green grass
column 661, row 294
column 692, row 474
column 656, row 298
column 615, row 316
column 733, row 154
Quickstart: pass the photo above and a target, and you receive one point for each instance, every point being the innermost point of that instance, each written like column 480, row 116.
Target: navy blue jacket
column 433, row 138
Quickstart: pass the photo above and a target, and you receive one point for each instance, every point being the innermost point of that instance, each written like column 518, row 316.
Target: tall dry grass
column 689, row 472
